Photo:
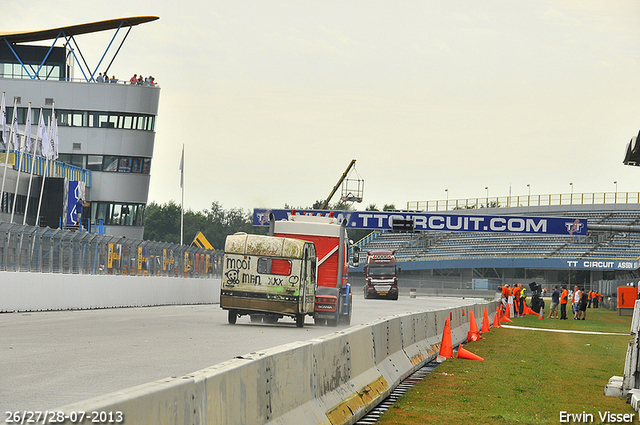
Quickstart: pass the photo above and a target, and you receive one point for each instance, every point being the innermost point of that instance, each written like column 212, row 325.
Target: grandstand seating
column 475, row 245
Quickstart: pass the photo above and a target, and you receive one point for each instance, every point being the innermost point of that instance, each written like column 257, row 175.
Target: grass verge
column 528, row 376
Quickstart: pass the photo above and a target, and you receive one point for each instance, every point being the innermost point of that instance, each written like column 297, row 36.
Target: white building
column 106, row 132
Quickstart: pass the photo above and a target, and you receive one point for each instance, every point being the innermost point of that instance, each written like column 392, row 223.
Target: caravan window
column 274, row 266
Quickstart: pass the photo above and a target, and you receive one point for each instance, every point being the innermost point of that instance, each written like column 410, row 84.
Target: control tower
column 106, row 131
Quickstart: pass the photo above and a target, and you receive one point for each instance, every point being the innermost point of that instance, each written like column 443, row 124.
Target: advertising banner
column 76, row 192
column 447, row 222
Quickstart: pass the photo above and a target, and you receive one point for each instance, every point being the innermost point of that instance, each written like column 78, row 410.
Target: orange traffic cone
column 496, row 318
column 473, row 334
column 507, row 312
column 527, row 309
column 485, row 322
column 465, row 354
column 446, row 348
column 506, row 319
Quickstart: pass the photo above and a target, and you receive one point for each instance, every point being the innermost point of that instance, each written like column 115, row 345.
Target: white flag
column 182, row 168
column 43, row 136
column 14, row 124
column 3, row 119
column 27, row 130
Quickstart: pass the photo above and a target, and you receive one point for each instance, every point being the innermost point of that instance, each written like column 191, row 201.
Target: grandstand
column 454, row 260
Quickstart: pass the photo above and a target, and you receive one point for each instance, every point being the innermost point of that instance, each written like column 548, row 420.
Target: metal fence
column 527, row 201
column 35, row 249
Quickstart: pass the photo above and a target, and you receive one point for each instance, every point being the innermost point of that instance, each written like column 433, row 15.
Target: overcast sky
column 273, row 99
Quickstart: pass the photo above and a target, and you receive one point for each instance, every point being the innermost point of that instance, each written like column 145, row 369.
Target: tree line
column 162, row 222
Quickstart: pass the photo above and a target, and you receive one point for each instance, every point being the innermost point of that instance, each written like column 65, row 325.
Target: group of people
column 104, row 78
column 141, row 81
column 515, row 294
column 579, row 298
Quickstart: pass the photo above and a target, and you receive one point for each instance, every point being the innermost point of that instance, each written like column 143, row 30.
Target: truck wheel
column 346, row 319
column 299, row 320
column 233, row 316
column 320, row 322
column 334, row 321
column 395, row 297
column 256, row 318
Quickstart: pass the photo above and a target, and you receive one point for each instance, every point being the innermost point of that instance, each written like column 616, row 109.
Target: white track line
column 562, row 330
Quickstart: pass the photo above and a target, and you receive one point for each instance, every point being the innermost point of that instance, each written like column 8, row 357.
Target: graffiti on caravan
column 382, row 220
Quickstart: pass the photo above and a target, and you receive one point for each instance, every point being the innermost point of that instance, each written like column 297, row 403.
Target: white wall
column 42, row 291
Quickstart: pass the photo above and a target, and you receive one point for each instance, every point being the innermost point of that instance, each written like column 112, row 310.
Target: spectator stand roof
column 69, row 33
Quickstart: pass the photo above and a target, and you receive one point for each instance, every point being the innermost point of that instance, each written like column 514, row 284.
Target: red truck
column 381, row 275
column 333, row 302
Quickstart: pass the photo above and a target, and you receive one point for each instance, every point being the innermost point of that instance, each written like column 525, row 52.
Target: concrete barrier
column 53, row 291
column 335, row 379
column 628, row 385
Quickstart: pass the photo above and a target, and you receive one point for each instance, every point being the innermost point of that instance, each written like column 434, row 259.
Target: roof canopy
column 69, row 33
column 52, row 34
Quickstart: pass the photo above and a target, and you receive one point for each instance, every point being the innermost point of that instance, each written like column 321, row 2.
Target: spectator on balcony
column 134, row 79
column 100, row 78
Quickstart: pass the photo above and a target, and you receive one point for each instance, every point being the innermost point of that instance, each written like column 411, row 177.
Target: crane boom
column 325, row 204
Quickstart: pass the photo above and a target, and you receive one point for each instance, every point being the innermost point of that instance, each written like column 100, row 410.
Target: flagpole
column 5, row 140
column 49, row 153
column 12, row 134
column 27, row 140
column 182, row 203
column 33, row 165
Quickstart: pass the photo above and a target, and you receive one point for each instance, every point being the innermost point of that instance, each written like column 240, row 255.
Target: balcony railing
column 598, row 198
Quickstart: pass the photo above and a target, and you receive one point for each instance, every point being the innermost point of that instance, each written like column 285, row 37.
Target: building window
column 109, row 163
column 118, row 214
column 94, row 162
column 125, row 165
column 98, row 119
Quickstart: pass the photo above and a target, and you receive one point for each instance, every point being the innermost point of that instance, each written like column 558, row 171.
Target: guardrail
column 42, row 167
column 527, row 201
column 26, row 248
column 334, row 379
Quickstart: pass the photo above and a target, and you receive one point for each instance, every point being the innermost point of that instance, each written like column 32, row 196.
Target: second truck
column 381, row 275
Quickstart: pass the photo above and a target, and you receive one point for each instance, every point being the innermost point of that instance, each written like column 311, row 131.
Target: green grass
column 528, row 376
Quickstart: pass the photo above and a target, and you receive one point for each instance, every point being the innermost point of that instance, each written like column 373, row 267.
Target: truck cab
column 380, row 273
column 333, row 299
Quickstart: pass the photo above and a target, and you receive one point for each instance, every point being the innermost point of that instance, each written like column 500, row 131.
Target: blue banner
column 382, row 220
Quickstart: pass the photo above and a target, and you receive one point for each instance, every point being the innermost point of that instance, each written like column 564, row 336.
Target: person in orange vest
column 563, row 303
column 596, row 298
column 505, row 296
column 590, row 298
column 516, row 298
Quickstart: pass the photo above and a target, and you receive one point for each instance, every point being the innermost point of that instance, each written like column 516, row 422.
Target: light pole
column 615, row 197
column 446, row 205
column 487, row 188
column 529, row 195
column 571, row 184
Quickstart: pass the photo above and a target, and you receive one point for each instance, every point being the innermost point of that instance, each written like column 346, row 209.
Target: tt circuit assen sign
column 376, row 220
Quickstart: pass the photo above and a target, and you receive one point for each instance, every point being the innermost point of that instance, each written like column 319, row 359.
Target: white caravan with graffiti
column 268, row 278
